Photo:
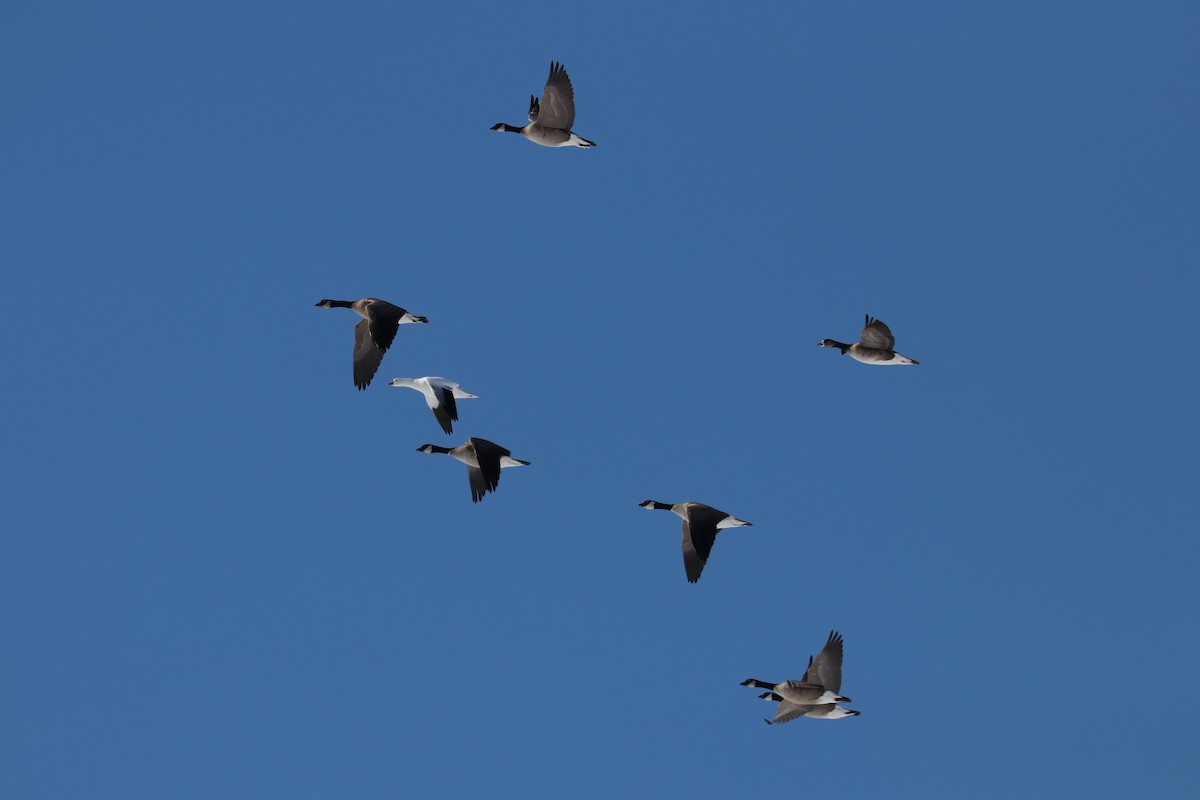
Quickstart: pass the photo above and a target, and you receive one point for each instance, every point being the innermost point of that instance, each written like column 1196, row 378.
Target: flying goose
column 874, row 346
column 700, row 526
column 439, row 396
column 374, row 333
column 484, row 461
column 786, row 712
column 551, row 118
column 795, row 698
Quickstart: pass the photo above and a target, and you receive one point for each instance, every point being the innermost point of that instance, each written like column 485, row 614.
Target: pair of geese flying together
column 816, row 694
column 373, row 336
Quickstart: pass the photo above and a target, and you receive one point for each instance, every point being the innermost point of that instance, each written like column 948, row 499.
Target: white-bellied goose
column 374, row 333
column 875, row 346
column 810, row 696
column 700, row 526
column 786, row 712
column 440, row 395
column 484, row 461
column 551, row 118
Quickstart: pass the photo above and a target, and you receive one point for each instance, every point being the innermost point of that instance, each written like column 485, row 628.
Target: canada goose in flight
column 374, row 334
column 786, row 712
column 551, row 118
column 700, row 526
column 484, row 461
column 874, row 346
column 810, row 696
column 439, row 396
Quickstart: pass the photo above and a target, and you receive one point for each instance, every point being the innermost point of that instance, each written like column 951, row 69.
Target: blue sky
column 227, row 573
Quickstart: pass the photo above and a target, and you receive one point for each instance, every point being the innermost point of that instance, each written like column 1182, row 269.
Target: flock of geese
column 817, row 693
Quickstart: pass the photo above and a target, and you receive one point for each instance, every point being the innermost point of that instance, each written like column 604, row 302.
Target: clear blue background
column 226, row 573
